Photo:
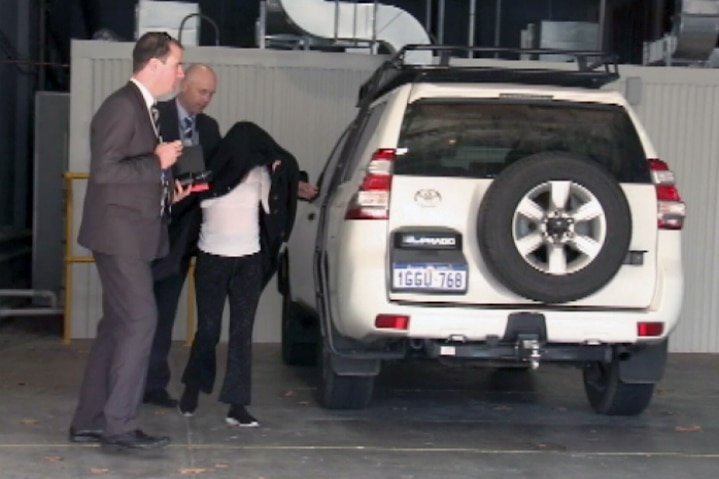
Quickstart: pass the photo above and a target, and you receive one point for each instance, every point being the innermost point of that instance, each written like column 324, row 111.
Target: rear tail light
column 391, row 321
column 671, row 210
column 371, row 202
column 649, row 329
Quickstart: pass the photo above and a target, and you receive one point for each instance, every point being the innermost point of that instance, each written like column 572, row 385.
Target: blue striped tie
column 188, row 129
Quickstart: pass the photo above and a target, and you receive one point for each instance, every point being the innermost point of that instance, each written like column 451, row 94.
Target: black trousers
column 218, row 278
column 111, row 388
column 167, row 295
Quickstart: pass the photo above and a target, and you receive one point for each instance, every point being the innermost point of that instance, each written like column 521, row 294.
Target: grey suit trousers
column 114, row 378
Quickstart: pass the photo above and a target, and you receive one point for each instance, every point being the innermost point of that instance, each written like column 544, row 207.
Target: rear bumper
column 358, row 294
column 354, row 317
column 477, row 324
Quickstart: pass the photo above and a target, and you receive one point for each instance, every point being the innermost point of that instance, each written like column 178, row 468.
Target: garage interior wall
column 305, row 100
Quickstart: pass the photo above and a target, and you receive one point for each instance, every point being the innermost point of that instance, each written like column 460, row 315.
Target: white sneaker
column 239, row 417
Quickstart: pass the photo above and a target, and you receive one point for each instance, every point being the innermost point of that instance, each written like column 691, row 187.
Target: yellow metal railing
column 71, row 259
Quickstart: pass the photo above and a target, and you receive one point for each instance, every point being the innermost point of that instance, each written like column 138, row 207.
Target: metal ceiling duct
column 348, row 22
column 696, row 27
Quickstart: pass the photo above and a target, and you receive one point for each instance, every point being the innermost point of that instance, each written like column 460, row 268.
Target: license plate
column 429, row 277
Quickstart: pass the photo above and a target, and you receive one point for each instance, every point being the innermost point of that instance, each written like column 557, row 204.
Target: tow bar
column 528, row 349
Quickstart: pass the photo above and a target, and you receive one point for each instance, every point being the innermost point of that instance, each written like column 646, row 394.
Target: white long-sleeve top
column 230, row 223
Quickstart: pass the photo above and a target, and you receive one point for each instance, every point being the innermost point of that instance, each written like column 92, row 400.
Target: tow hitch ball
column 528, row 349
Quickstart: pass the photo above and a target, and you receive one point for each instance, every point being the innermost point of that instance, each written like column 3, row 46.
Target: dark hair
column 151, row 45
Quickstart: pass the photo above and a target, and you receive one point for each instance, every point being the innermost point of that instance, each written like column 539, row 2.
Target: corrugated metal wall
column 680, row 110
column 305, row 99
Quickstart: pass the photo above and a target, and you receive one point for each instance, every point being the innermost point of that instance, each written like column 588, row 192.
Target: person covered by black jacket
column 247, row 214
column 245, row 146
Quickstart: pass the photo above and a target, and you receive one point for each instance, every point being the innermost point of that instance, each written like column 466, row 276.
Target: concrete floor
column 427, row 421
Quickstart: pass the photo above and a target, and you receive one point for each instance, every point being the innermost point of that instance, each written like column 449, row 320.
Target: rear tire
column 342, row 392
column 554, row 227
column 607, row 394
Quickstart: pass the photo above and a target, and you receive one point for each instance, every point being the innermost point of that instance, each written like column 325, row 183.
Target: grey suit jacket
column 121, row 216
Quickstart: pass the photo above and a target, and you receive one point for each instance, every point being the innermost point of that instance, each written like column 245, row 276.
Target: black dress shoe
column 84, row 436
column 135, row 440
column 159, row 397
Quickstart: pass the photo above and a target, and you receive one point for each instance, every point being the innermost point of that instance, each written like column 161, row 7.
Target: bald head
column 197, row 88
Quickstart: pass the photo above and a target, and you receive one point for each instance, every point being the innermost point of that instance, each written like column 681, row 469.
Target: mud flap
column 645, row 365
column 347, row 366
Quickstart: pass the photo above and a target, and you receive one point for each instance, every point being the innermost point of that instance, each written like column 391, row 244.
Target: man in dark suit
column 124, row 225
column 181, row 118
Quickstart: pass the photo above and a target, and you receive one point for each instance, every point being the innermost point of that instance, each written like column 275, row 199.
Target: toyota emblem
column 428, row 197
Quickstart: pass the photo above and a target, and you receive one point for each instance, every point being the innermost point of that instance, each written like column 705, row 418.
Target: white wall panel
column 680, row 111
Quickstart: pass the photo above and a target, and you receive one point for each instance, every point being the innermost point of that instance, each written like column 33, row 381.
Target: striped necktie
column 155, row 114
column 166, row 195
column 188, row 129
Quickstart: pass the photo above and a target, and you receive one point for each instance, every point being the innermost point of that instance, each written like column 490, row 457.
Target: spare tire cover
column 554, row 227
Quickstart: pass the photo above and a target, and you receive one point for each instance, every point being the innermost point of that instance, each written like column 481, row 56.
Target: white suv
column 518, row 216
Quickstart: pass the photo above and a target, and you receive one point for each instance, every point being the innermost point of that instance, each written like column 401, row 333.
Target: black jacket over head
column 244, row 147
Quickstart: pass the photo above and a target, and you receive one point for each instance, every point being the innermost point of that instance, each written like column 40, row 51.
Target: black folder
column 191, row 162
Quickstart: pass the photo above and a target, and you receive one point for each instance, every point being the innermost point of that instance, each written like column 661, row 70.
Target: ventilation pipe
column 696, row 25
column 353, row 22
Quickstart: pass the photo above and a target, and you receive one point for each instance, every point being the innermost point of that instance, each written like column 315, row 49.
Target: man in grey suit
column 127, row 196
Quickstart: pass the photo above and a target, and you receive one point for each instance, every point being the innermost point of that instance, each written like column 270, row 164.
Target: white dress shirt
column 149, row 100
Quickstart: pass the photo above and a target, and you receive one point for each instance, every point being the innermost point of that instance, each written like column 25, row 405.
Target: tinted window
column 479, row 139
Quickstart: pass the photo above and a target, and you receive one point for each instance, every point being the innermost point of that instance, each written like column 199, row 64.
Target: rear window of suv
column 477, row 139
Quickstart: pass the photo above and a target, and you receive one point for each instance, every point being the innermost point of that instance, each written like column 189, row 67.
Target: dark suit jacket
column 121, row 215
column 184, row 227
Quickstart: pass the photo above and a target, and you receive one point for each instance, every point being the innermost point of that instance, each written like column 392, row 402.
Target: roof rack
column 594, row 69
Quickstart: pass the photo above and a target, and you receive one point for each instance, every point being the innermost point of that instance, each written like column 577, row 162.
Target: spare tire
column 554, row 227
